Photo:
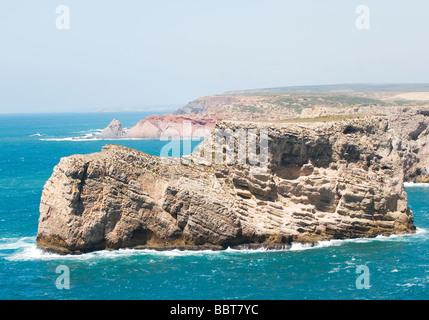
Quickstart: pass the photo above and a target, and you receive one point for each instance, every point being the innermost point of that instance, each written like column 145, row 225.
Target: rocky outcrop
column 409, row 127
column 113, row 131
column 323, row 180
column 153, row 127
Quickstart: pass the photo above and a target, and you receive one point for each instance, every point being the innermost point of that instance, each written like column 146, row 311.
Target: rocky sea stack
column 113, row 131
column 333, row 179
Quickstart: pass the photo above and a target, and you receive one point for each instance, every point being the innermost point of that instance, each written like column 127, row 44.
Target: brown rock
column 410, row 133
column 323, row 181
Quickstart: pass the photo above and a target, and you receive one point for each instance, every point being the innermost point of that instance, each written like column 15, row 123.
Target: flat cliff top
column 307, row 120
column 277, row 104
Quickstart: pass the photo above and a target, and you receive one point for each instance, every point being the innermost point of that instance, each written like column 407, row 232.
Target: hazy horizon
column 144, row 54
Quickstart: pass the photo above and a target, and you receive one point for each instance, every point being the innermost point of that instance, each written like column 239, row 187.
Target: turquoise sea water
column 31, row 145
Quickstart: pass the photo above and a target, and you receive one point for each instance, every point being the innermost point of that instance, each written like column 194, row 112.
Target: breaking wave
column 414, row 184
column 25, row 249
column 88, row 135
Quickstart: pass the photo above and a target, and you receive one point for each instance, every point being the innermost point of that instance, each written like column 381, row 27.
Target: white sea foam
column 26, row 249
column 16, row 243
column 96, row 131
column 36, row 135
column 414, row 184
column 421, row 230
column 295, row 246
column 33, row 253
column 303, row 246
column 71, row 139
column 59, row 139
column 87, row 135
column 90, row 137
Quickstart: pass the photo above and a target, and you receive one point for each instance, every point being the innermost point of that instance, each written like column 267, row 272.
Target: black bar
column 213, row 309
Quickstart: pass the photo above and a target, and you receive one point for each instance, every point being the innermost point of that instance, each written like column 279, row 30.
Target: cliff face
column 328, row 180
column 153, row 127
column 411, row 139
column 288, row 102
column 409, row 127
column 242, row 107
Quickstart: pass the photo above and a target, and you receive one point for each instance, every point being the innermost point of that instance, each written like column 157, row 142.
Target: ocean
column 393, row 267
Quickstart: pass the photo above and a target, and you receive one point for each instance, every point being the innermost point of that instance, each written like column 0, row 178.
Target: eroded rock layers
column 332, row 180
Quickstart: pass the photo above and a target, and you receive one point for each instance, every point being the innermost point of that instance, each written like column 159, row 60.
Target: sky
column 164, row 53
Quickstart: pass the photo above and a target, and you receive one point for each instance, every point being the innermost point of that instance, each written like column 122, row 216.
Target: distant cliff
column 155, row 126
column 288, row 102
column 331, row 179
column 169, row 125
column 241, row 107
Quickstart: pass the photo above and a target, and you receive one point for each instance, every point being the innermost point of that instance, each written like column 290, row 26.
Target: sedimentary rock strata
column 154, row 127
column 322, row 180
column 164, row 126
column 409, row 127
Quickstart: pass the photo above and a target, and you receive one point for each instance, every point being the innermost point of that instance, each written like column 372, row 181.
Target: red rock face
column 171, row 126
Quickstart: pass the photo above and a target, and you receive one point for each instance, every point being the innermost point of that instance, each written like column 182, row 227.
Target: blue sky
column 125, row 54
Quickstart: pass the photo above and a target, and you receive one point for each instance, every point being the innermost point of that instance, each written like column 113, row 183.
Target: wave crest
column 25, row 249
column 416, row 184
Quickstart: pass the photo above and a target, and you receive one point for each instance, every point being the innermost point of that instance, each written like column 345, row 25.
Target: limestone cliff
column 324, row 180
column 155, row 126
column 242, row 107
column 409, row 127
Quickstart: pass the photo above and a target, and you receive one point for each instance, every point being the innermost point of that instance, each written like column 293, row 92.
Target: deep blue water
column 31, row 145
